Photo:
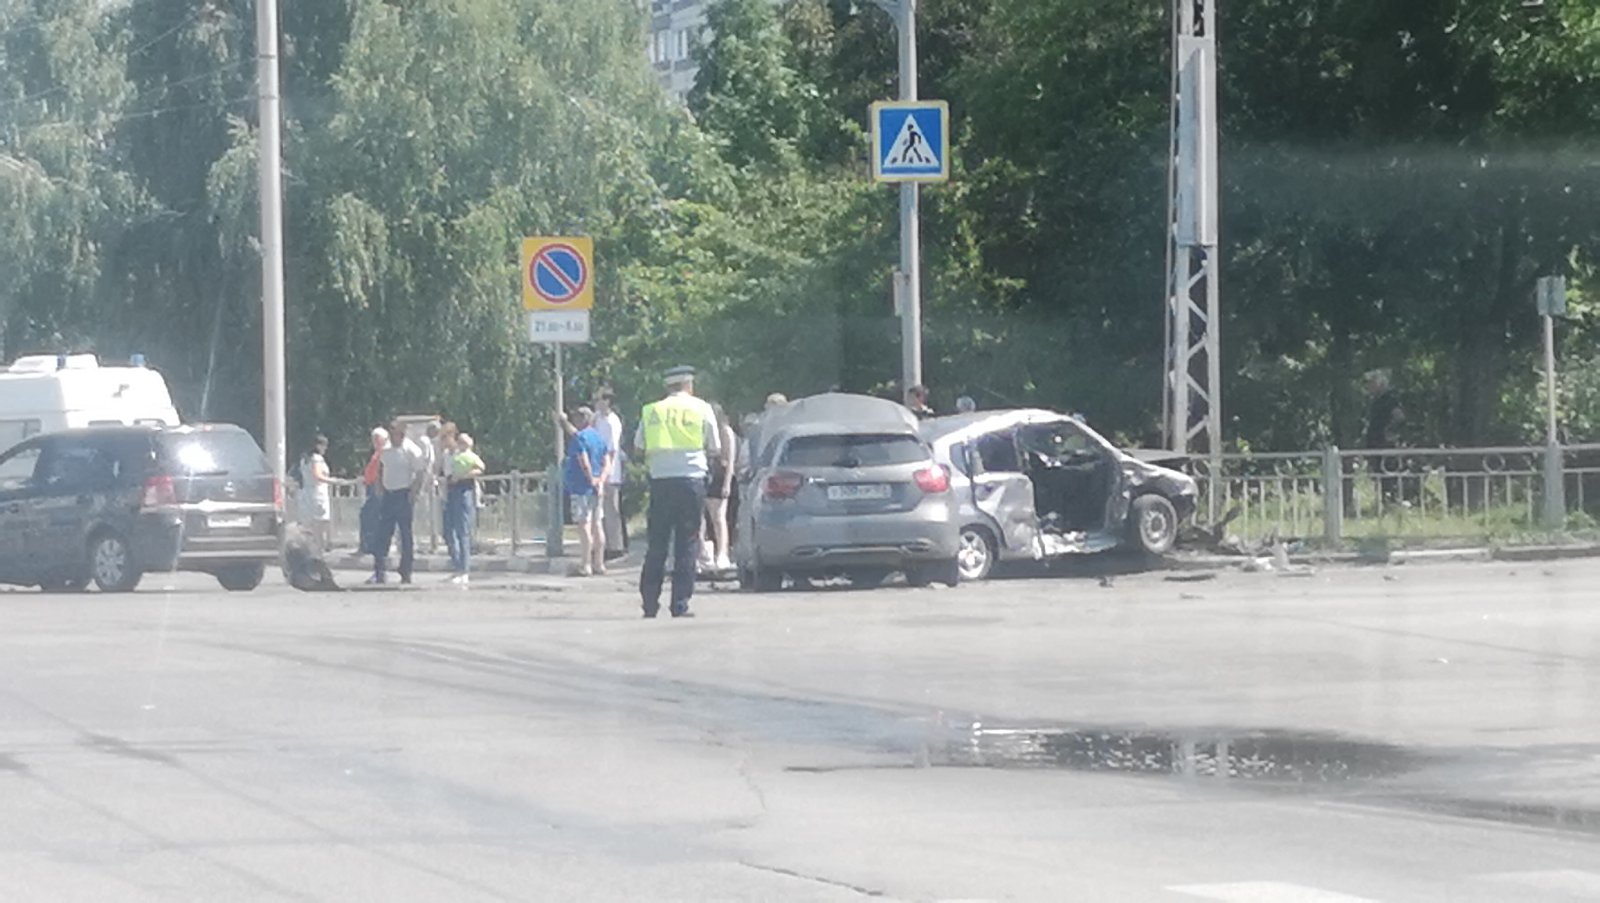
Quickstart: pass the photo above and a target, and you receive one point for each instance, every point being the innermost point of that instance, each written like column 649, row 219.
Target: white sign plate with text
column 559, row 327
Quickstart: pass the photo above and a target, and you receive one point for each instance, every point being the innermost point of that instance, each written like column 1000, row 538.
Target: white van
column 44, row 393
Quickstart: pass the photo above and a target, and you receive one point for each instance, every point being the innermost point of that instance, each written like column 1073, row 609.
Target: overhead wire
column 142, row 114
column 203, row 8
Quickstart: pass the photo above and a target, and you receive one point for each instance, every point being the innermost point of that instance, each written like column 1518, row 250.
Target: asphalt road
column 1424, row 733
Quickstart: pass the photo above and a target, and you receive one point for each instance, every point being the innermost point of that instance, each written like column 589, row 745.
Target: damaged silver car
column 1032, row 485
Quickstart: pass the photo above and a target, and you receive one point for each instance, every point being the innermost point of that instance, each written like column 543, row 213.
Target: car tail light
column 783, row 485
column 159, row 491
column 933, row 479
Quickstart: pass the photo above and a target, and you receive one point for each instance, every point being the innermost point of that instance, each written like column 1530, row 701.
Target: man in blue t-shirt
column 589, row 460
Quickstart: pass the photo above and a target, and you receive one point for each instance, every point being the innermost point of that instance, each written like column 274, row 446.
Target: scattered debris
column 1198, row 577
column 1106, row 582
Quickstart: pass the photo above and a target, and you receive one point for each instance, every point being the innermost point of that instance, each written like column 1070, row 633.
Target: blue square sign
column 911, row 141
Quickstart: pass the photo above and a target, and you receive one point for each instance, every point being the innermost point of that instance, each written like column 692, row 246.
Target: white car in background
column 1032, row 485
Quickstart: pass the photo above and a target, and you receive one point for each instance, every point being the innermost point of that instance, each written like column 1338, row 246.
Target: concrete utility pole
column 1192, row 384
column 908, row 281
column 272, row 316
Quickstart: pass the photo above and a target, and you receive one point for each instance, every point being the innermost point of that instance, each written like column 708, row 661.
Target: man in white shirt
column 402, row 472
column 609, row 426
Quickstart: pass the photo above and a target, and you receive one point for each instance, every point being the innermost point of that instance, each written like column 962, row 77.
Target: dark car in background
column 110, row 504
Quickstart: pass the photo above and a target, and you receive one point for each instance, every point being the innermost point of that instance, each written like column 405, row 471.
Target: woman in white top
column 719, row 488
column 316, row 483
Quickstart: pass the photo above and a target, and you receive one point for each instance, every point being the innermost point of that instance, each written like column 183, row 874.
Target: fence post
column 1332, row 496
column 516, row 518
column 556, row 537
column 1555, row 488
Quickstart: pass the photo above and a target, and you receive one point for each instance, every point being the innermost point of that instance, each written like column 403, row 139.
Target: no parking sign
column 557, row 274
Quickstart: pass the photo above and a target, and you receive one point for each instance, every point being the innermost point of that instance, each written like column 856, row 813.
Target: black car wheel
column 927, row 573
column 867, row 578
column 977, row 555
column 1153, row 523
column 241, row 578
column 111, row 564
column 757, row 579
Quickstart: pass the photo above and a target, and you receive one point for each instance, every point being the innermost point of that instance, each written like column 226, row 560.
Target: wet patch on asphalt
column 1260, row 756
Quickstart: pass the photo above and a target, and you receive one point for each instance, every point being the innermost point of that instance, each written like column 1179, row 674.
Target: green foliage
column 1395, row 177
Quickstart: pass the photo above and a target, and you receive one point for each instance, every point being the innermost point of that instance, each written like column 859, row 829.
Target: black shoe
column 683, row 614
column 649, row 614
column 615, row 554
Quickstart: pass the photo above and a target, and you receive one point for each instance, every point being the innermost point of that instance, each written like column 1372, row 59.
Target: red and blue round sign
column 557, row 274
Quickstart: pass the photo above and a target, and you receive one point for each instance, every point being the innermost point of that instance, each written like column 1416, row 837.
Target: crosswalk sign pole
column 910, row 276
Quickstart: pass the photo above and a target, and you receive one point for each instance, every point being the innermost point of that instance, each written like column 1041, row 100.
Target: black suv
column 111, row 503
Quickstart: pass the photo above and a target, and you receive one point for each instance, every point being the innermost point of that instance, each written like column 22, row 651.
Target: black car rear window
column 223, row 453
column 853, row 451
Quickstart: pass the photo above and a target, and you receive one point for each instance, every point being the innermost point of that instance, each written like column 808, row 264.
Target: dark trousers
column 396, row 515
column 677, row 508
column 371, row 518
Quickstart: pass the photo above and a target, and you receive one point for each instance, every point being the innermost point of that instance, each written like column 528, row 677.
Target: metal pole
column 270, row 165
column 1555, row 481
column 910, row 229
column 1550, row 378
column 555, row 539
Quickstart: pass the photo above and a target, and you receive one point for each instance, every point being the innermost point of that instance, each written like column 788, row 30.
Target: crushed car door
column 1079, row 482
column 1002, row 491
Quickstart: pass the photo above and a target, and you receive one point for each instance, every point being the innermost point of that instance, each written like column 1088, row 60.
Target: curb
column 1419, row 556
column 1545, row 553
column 440, row 564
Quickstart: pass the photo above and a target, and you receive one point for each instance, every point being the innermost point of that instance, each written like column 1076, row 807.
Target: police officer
column 676, row 436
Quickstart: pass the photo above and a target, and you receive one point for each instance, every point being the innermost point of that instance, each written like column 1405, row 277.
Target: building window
column 683, row 44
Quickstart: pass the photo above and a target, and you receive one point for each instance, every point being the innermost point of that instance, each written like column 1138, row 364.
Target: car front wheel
column 1154, row 524
column 111, row 564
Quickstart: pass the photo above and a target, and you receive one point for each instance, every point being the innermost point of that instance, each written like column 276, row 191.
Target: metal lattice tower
column 1192, row 387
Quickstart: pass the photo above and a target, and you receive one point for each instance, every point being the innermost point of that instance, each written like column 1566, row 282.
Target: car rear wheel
column 111, row 564
column 931, row 572
column 977, row 555
column 757, row 579
column 868, row 577
column 241, row 578
column 1154, row 524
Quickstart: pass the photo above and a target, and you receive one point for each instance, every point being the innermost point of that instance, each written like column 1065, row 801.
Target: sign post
column 1551, row 298
column 910, row 144
column 557, row 293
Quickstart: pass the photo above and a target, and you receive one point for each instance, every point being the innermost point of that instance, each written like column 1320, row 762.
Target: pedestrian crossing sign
column 911, row 141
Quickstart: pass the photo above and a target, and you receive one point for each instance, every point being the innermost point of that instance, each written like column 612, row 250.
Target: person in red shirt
column 370, row 508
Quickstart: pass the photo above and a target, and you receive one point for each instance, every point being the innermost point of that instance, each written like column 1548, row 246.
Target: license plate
column 228, row 521
column 855, row 492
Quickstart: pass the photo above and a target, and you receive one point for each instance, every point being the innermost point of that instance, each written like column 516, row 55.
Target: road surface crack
column 817, row 879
